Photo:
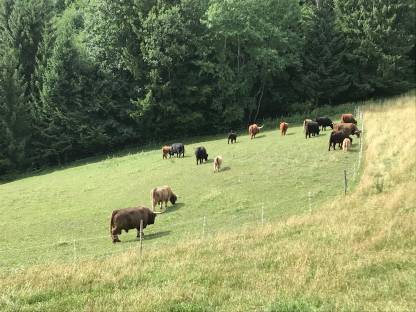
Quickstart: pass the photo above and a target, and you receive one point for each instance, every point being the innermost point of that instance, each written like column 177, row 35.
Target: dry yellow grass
column 357, row 253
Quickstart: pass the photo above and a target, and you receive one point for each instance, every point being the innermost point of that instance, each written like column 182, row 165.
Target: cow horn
column 157, row 212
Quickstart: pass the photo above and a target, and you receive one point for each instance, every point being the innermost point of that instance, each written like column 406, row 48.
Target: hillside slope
column 355, row 253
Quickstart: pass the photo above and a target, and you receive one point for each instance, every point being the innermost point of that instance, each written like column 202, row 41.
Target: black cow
column 201, row 154
column 312, row 127
column 232, row 136
column 324, row 122
column 178, row 149
column 337, row 137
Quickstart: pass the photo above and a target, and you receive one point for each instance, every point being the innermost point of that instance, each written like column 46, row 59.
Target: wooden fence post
column 345, row 182
column 141, row 237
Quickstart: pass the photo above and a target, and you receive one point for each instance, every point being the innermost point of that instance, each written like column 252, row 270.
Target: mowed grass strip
column 64, row 215
column 353, row 253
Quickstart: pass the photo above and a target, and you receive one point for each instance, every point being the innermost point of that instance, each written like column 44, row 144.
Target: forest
column 88, row 77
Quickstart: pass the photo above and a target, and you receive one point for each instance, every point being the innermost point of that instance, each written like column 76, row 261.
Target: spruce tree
column 379, row 36
column 324, row 77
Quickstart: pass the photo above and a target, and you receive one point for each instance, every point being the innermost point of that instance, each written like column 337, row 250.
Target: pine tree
column 324, row 77
column 14, row 114
column 379, row 35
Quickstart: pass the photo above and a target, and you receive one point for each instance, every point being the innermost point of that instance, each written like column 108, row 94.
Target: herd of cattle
column 130, row 218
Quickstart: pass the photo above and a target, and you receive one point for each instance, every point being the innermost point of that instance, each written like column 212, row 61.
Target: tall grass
column 354, row 253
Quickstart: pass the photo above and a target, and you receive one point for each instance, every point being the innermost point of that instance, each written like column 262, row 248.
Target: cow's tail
column 112, row 221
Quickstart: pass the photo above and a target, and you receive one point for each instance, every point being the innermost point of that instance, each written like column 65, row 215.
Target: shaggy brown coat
column 348, row 128
column 162, row 194
column 253, row 130
column 129, row 218
column 348, row 118
column 165, row 151
column 283, row 127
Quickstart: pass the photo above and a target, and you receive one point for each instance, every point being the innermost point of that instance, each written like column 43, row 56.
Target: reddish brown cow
column 348, row 118
column 348, row 128
column 165, row 151
column 253, row 130
column 283, row 127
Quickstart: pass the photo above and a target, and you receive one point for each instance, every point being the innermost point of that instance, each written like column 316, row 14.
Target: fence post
column 345, row 182
column 141, row 237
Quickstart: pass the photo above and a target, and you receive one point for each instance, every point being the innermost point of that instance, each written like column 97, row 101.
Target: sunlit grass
column 353, row 253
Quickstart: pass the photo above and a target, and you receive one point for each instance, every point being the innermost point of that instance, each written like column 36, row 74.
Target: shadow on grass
column 156, row 235
column 225, row 169
column 174, row 207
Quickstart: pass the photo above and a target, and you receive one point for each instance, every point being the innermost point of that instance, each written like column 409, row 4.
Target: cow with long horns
column 253, row 130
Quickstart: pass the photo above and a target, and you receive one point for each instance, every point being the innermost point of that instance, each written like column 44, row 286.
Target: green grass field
column 65, row 214
column 348, row 253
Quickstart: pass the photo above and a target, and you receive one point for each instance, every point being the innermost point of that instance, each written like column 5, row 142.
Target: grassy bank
column 353, row 253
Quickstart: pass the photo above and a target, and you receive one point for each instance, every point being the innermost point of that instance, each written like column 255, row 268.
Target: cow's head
column 152, row 217
column 173, row 199
column 206, row 157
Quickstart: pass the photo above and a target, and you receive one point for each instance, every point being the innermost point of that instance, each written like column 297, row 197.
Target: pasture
column 348, row 253
column 65, row 214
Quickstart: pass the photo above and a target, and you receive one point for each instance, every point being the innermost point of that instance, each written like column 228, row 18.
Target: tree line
column 83, row 77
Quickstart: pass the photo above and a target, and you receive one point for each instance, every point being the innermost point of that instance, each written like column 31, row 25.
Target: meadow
column 266, row 244
column 65, row 214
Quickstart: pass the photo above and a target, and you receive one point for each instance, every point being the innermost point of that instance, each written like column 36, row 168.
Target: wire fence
column 71, row 249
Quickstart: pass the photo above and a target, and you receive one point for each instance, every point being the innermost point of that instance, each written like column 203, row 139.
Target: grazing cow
column 165, row 151
column 337, row 137
column 305, row 122
column 253, row 130
column 232, row 136
column 283, row 127
column 162, row 194
column 201, row 154
column 348, row 128
column 346, row 144
column 178, row 149
column 348, row 118
column 312, row 127
column 129, row 218
column 324, row 122
column 217, row 163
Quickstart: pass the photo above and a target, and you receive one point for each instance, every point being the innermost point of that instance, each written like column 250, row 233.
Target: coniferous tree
column 324, row 76
column 379, row 37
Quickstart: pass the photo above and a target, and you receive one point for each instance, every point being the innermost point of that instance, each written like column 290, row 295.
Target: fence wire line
column 68, row 242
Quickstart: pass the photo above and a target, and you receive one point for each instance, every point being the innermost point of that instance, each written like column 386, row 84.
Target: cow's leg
column 114, row 234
